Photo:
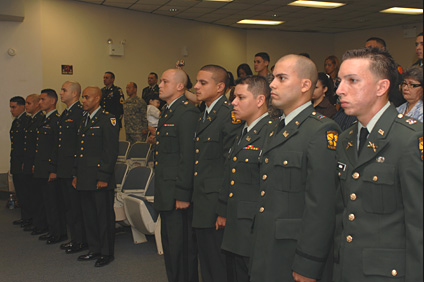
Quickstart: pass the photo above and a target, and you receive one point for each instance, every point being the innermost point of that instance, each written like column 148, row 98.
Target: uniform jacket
column 63, row 159
column 240, row 193
column 17, row 139
column 379, row 233
column 175, row 155
column 30, row 141
column 97, row 151
column 46, row 143
column 149, row 92
column 214, row 138
column 294, row 224
column 112, row 100
column 135, row 115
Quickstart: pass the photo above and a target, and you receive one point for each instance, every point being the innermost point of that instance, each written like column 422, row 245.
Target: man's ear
column 383, row 86
column 306, row 85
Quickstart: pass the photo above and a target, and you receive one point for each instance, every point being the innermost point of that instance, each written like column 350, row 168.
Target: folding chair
column 123, row 151
column 121, row 170
column 138, row 154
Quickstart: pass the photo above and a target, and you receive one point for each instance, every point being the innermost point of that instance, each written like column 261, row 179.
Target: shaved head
column 173, row 83
column 91, row 98
column 304, row 67
column 219, row 74
column 34, row 97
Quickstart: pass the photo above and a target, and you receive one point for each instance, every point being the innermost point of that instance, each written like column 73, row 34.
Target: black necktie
column 243, row 134
column 87, row 121
column 281, row 125
column 205, row 116
column 363, row 135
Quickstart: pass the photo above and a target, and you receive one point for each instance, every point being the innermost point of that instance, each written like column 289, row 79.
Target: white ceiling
column 356, row 15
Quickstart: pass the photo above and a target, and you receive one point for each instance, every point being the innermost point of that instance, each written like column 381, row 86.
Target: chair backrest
column 139, row 150
column 123, row 148
column 137, row 178
column 120, row 172
column 150, row 189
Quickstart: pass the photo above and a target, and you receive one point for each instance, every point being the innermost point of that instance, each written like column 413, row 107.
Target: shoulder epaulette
column 408, row 122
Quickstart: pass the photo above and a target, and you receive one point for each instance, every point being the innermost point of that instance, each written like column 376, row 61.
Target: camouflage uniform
column 135, row 118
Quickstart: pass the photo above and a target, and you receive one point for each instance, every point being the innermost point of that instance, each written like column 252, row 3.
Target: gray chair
column 138, row 154
column 124, row 147
column 121, row 170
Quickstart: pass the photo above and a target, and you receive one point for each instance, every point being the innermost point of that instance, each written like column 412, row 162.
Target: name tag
column 341, row 166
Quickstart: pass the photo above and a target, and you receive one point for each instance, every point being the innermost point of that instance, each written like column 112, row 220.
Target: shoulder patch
column 234, row 120
column 411, row 121
column 420, row 146
column 332, row 138
column 113, row 121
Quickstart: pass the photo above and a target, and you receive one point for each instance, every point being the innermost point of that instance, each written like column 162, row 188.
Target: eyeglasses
column 410, row 85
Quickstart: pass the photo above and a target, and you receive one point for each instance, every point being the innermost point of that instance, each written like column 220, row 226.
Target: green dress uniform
column 294, row 225
column 51, row 195
column 379, row 230
column 98, row 140
column 28, row 164
column 215, row 134
column 112, row 102
column 174, row 181
column 238, row 199
column 62, row 163
column 17, row 139
column 135, row 118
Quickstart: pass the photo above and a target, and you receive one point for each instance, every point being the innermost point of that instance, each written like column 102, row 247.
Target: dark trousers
column 21, row 192
column 73, row 210
column 99, row 220
column 179, row 246
column 54, row 206
column 213, row 265
column 237, row 268
column 39, row 219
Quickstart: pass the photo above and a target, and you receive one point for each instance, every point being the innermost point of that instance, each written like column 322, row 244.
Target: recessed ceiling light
column 173, row 10
column 216, row 0
column 404, row 11
column 316, row 4
column 260, row 22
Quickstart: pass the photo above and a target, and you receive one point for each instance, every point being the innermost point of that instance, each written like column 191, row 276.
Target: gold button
column 60, row 139
column 60, row 126
column 197, row 151
column 36, row 151
column 83, row 135
column 351, row 217
column 246, row 160
column 263, row 193
column 167, row 134
column 197, row 139
column 234, row 170
column 400, row 116
column 157, row 133
column 394, row 272
column 235, row 159
column 195, row 174
column 157, row 153
column 209, row 139
column 267, row 161
column 81, row 155
column 262, row 209
column 82, row 142
column 340, row 174
column 349, row 239
column 38, row 138
column 264, row 177
column 375, row 178
column 232, row 183
column 156, row 163
column 157, row 142
column 60, row 145
column 231, row 195
column 314, row 113
column 82, row 148
column 355, row 175
column 197, row 162
column 285, row 163
column 98, row 165
column 353, row 197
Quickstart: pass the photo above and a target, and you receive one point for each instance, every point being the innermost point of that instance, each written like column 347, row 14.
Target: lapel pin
column 381, row 159
column 349, row 144
column 248, row 138
column 272, row 133
column 351, row 132
column 381, row 131
column 286, row 134
column 373, row 146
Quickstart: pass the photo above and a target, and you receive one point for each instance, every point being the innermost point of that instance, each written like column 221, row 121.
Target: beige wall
column 57, row 32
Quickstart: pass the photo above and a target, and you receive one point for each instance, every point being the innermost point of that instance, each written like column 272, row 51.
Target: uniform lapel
column 92, row 122
column 276, row 139
column 201, row 126
column 377, row 139
column 169, row 113
column 350, row 144
column 252, row 136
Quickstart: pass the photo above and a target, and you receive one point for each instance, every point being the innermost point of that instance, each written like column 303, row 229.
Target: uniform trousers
column 99, row 220
column 54, row 207
column 73, row 210
column 37, row 203
column 213, row 266
column 237, row 268
column 179, row 246
column 21, row 192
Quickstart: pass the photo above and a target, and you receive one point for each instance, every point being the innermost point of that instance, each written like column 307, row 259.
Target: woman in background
column 321, row 96
column 412, row 90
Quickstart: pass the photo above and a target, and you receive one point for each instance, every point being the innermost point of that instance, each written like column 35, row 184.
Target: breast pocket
column 248, row 166
column 212, row 148
column 379, row 189
column 169, row 140
column 288, row 171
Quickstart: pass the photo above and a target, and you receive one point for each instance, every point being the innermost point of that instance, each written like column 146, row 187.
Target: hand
column 74, row 182
column 300, row 278
column 220, row 222
column 52, row 176
column 180, row 205
column 101, row 184
column 151, row 139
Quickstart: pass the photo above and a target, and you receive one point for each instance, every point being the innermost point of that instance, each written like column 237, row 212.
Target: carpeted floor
column 25, row 258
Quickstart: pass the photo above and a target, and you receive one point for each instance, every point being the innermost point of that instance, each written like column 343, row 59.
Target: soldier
column 215, row 134
column 261, row 64
column 17, row 137
column 174, row 177
column 294, row 224
column 239, row 196
column 62, row 164
column 112, row 97
column 46, row 143
column 33, row 198
column 135, row 115
column 153, row 89
column 379, row 230
column 98, row 139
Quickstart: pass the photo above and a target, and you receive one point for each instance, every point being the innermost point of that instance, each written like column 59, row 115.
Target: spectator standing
column 135, row 115
column 112, row 97
column 261, row 64
column 419, row 50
